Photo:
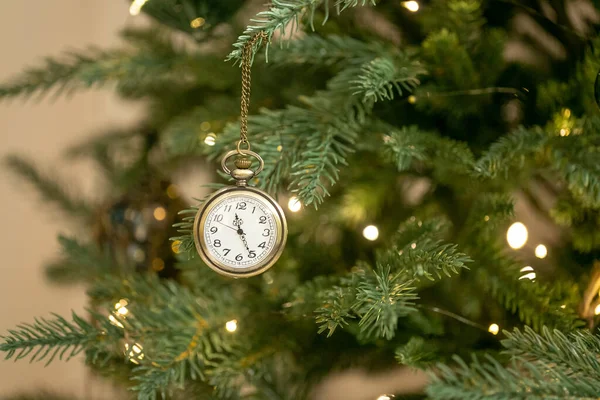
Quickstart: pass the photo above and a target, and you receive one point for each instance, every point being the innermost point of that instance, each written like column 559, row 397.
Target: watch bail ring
column 248, row 152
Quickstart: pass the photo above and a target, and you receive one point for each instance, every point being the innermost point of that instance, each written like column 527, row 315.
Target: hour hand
column 238, row 222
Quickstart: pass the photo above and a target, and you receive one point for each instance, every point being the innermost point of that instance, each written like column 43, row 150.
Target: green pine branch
column 381, row 299
column 547, row 366
column 53, row 338
column 380, row 78
column 280, row 15
column 51, row 189
column 80, row 262
column 511, row 151
column 331, row 50
column 419, row 252
column 328, row 138
column 152, row 62
column 556, row 347
column 417, row 352
column 412, row 148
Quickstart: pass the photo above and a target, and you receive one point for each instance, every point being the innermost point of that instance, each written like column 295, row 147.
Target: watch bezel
column 217, row 265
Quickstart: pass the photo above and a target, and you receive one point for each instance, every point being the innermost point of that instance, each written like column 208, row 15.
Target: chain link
column 246, row 82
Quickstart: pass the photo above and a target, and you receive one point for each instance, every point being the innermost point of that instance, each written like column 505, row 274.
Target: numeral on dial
column 219, row 217
column 213, row 229
column 266, row 232
column 262, row 220
column 228, row 208
column 217, row 243
column 262, row 245
column 241, row 205
column 252, row 254
column 239, row 257
column 226, row 251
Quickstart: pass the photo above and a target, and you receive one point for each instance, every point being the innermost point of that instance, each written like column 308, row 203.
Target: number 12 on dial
column 240, row 231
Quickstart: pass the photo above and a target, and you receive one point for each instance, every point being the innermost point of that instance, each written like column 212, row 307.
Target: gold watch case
column 272, row 206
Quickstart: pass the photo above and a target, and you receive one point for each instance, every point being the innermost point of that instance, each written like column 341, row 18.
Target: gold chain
column 245, row 103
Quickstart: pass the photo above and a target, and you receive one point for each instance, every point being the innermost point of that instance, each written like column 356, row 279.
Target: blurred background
column 42, row 130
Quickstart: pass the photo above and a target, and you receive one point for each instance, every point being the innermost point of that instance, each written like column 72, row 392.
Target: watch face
column 241, row 231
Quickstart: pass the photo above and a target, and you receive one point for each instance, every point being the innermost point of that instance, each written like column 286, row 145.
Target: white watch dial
column 240, row 231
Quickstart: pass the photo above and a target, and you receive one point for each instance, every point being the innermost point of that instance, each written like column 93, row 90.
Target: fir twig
column 279, row 15
column 51, row 189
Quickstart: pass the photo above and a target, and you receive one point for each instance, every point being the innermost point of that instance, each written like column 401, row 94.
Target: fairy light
column 210, row 139
column 136, row 7
column 412, row 99
column 231, row 326
column 541, row 251
column 411, row 6
column 160, row 213
column 114, row 321
column 294, row 204
column 135, row 352
column 597, row 310
column 530, row 273
column 371, row 232
column 516, row 236
column 563, row 306
column 494, row 329
column 384, row 397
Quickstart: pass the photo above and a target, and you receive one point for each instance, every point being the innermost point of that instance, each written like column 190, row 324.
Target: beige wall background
column 41, row 130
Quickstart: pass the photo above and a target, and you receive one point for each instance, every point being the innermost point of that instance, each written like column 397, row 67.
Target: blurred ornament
column 136, row 228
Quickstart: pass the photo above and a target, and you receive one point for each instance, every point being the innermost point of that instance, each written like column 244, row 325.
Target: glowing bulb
column 197, row 23
column 597, row 310
column 541, row 251
column 136, row 6
column 115, row 322
column 134, row 352
column 210, row 139
column 123, row 311
column 530, row 275
column 516, row 236
column 121, row 303
column 563, row 306
column 412, row 99
column 384, row 397
column 294, row 204
column 494, row 329
column 411, row 6
column 160, row 213
column 371, row 232
column 231, row 326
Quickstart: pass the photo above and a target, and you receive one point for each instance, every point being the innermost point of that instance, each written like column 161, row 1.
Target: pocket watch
column 240, row 231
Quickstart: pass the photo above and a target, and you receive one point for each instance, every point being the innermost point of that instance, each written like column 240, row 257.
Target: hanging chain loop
column 247, row 55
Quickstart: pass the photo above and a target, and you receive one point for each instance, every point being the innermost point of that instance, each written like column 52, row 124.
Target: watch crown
column 243, row 162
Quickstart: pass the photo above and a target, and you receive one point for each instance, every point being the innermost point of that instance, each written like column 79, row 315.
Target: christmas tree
column 400, row 136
